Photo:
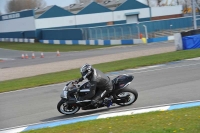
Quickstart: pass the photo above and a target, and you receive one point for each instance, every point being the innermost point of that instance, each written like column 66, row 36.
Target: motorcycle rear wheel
column 64, row 108
column 133, row 95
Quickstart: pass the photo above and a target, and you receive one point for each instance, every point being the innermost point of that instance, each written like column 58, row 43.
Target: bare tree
column 189, row 3
column 148, row 3
column 18, row 5
column 185, row 3
column 152, row 3
column 198, row 2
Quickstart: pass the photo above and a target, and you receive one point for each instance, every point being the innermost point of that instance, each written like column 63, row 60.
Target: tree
column 185, row 3
column 152, row 3
column 18, row 5
column 0, row 13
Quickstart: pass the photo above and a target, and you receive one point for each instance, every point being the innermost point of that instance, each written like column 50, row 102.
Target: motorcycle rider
column 97, row 79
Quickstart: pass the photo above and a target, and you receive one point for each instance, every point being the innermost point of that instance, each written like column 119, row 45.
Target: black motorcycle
column 121, row 94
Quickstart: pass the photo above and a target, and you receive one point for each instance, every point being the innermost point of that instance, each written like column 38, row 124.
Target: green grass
column 64, row 76
column 46, row 47
column 176, row 121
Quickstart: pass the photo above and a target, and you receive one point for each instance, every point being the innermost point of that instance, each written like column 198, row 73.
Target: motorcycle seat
column 121, row 79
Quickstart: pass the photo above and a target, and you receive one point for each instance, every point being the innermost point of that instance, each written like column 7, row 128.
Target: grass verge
column 46, row 47
column 63, row 76
column 176, row 121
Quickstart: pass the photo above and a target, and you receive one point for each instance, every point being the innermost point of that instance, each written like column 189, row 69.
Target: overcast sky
column 61, row 3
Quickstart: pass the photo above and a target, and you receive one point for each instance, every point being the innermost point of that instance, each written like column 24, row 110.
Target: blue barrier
column 159, row 39
column 191, row 42
column 93, row 42
column 127, row 42
column 107, row 42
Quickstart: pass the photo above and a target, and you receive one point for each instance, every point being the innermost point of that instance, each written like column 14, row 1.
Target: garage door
column 131, row 19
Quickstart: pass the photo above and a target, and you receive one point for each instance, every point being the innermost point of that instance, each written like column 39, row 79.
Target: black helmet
column 86, row 70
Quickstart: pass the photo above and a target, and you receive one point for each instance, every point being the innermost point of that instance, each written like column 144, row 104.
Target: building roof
column 93, row 7
column 131, row 4
column 112, row 4
column 75, row 8
column 55, row 11
column 40, row 11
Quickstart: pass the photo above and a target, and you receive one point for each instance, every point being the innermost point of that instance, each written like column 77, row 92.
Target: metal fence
column 149, row 29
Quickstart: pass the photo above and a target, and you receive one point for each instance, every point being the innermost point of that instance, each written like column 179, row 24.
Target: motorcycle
column 121, row 95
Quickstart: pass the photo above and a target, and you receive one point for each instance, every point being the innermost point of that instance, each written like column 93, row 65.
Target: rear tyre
column 64, row 108
column 133, row 95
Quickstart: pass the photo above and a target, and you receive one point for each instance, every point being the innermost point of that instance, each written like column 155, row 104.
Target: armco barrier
column 107, row 42
column 93, row 42
column 17, row 40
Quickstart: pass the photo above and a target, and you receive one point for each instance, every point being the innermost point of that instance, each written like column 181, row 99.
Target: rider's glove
column 81, row 79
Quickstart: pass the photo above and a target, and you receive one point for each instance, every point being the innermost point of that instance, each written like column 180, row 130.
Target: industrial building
column 32, row 23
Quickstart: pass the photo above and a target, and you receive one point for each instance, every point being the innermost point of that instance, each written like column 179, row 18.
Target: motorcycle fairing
column 122, row 81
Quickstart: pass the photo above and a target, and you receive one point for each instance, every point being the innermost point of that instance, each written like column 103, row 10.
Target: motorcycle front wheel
column 132, row 96
column 64, row 108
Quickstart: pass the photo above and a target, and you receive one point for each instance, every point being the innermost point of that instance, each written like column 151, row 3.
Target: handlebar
column 75, row 83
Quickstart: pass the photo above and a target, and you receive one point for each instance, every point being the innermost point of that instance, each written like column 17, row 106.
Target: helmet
column 86, row 70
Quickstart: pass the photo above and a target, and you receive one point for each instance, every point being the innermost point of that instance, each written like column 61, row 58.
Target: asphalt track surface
column 13, row 57
column 164, row 84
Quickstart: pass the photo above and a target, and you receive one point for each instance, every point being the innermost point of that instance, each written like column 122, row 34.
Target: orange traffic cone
column 58, row 53
column 22, row 56
column 33, row 56
column 26, row 56
column 42, row 55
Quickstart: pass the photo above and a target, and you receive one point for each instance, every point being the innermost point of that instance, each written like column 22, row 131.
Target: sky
column 61, row 3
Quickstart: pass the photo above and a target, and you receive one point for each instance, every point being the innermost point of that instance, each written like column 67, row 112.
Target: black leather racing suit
column 100, row 81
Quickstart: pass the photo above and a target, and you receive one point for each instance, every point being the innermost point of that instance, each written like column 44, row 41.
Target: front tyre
column 64, row 108
column 131, row 93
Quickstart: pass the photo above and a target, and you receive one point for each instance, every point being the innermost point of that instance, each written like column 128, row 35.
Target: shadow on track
column 85, row 113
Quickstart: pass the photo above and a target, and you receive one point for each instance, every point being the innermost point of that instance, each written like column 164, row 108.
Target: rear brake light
column 122, row 85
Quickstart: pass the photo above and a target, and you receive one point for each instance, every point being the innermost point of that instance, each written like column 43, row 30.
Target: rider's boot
column 108, row 101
